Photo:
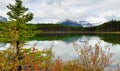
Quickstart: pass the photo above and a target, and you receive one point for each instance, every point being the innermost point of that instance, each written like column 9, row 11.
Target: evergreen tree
column 16, row 29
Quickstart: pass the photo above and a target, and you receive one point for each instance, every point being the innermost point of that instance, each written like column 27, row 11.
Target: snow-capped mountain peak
column 68, row 22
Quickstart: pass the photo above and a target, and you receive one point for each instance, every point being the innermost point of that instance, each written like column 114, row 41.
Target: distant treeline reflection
column 110, row 38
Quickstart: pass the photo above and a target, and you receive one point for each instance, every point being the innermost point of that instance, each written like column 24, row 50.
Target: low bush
column 90, row 59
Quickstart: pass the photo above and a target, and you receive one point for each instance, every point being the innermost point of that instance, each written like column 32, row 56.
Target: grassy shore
column 77, row 32
column 107, row 32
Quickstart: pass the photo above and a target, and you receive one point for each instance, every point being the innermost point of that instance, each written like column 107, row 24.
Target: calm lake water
column 62, row 45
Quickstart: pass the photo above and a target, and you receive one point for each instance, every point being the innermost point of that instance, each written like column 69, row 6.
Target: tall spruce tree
column 17, row 28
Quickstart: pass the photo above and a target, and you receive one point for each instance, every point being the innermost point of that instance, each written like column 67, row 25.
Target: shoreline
column 74, row 32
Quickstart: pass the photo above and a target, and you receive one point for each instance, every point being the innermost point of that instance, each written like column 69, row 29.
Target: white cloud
column 95, row 19
column 55, row 10
column 3, row 8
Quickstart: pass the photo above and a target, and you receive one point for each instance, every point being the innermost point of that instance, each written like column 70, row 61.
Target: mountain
column 68, row 22
column 85, row 24
column 3, row 19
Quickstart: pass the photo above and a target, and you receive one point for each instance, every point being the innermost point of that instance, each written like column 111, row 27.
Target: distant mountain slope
column 85, row 24
column 3, row 19
column 68, row 22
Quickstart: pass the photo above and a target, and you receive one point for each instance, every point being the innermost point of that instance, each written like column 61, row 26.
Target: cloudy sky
column 52, row 11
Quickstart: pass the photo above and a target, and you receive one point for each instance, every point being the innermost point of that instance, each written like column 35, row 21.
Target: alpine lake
column 63, row 47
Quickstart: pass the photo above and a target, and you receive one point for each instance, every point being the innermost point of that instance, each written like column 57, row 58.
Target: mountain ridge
column 69, row 22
